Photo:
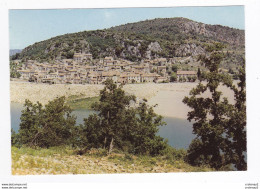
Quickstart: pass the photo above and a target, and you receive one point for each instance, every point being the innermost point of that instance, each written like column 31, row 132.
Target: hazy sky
column 29, row 26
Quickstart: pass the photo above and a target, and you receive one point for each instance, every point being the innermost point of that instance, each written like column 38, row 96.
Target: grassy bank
column 64, row 160
column 79, row 102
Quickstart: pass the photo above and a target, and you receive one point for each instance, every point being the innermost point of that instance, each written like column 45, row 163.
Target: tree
column 236, row 125
column 70, row 54
column 14, row 138
column 174, row 68
column 30, row 121
column 92, row 132
column 142, row 134
column 15, row 74
column 13, row 70
column 199, row 74
column 112, row 109
column 216, row 120
column 118, row 50
column 46, row 127
column 193, row 78
column 117, row 124
column 173, row 77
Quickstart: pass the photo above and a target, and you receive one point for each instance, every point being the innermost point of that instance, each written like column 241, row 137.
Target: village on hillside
column 82, row 70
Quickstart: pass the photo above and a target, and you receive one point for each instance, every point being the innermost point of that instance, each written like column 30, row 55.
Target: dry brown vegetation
column 27, row 161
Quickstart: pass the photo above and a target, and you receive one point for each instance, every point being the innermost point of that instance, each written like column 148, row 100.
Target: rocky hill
column 183, row 27
column 162, row 37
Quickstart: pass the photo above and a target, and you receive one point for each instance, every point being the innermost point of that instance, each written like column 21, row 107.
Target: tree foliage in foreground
column 219, row 126
column 47, row 126
column 118, row 124
column 236, row 125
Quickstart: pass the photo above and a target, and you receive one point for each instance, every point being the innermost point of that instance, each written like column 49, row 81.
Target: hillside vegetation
column 164, row 37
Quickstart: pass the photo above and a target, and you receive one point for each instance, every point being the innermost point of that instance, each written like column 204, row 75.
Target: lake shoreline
column 20, row 91
column 167, row 96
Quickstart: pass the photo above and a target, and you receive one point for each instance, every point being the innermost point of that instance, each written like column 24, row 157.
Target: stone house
column 78, row 57
column 26, row 74
column 133, row 78
column 161, row 79
column 87, row 56
column 185, row 74
column 149, row 77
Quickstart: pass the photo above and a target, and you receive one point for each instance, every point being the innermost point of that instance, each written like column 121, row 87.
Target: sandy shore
column 19, row 91
column 168, row 96
column 169, row 99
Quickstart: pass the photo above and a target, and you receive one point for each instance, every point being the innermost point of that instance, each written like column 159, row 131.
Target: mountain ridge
column 189, row 26
column 160, row 37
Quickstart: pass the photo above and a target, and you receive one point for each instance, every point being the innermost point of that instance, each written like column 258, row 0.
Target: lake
column 177, row 131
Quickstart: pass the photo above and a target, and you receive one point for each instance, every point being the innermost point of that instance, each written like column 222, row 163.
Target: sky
column 27, row 27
